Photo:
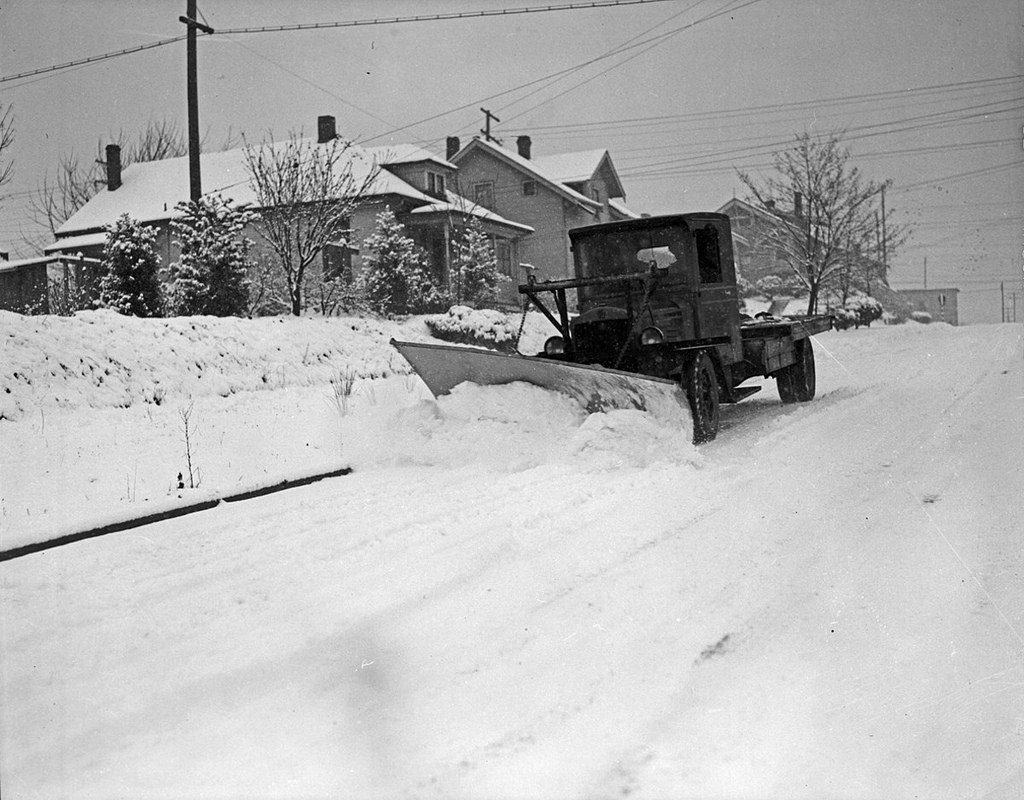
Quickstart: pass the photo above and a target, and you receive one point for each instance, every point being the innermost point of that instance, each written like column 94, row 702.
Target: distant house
column 47, row 284
column 414, row 183
column 750, row 225
column 552, row 194
column 941, row 304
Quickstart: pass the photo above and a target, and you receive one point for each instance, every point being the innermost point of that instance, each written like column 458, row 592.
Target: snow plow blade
column 443, row 367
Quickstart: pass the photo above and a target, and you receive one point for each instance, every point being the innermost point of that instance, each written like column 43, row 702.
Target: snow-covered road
column 827, row 601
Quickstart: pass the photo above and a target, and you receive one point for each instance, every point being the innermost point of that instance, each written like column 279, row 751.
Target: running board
column 740, row 392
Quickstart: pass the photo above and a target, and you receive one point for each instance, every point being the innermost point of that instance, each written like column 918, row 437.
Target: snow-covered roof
column 621, row 208
column 69, row 243
column 530, row 167
column 457, row 204
column 405, row 154
column 11, row 266
column 150, row 190
column 571, row 167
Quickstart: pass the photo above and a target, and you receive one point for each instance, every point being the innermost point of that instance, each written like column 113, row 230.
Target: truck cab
column 690, row 289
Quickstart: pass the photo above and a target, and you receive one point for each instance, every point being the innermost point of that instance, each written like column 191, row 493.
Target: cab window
column 709, row 263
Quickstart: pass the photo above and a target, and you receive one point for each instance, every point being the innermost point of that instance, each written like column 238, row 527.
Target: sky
column 927, row 94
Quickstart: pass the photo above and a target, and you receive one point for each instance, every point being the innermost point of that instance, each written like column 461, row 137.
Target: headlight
column 555, row 346
column 651, row 336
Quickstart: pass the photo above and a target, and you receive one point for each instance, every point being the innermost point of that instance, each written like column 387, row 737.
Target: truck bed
column 795, row 327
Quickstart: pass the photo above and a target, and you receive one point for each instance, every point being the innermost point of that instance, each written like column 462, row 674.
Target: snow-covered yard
column 508, row 598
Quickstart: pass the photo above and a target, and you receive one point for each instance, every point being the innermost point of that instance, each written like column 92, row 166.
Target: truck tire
column 701, row 386
column 796, row 383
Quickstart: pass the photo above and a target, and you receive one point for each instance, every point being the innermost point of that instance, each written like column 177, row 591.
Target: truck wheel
column 796, row 382
column 701, row 386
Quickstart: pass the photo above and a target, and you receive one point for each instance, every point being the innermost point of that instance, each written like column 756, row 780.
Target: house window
column 708, row 261
column 337, row 261
column 942, row 300
column 435, row 183
column 529, row 188
column 483, row 194
column 503, row 255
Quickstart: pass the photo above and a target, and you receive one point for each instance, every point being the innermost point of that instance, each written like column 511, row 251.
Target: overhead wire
column 596, row 4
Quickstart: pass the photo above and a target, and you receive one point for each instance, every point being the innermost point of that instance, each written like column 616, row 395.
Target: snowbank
column 100, row 359
column 518, row 426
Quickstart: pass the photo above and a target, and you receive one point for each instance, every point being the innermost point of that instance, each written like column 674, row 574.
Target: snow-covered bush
column 867, row 309
column 210, row 278
column 744, row 287
column 843, row 318
column 130, row 284
column 483, row 327
column 475, row 276
column 921, row 316
column 889, row 318
column 397, row 279
column 769, row 287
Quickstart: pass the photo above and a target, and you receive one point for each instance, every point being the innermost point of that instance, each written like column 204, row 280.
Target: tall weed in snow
column 188, row 429
column 341, row 389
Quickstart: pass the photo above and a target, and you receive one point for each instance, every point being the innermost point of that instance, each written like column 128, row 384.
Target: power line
column 531, row 83
column 598, row 4
column 93, row 59
column 498, row 12
column 816, row 103
column 614, row 66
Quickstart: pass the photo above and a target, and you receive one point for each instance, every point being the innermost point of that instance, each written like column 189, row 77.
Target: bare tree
column 836, row 207
column 75, row 181
column 6, row 143
column 306, row 193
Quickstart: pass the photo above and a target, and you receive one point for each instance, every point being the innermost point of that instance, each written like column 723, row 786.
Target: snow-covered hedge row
column 102, row 359
column 483, row 327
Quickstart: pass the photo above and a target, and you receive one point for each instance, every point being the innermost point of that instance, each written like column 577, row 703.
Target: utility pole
column 486, row 130
column 195, row 185
column 1002, row 301
column 1014, row 306
column 885, row 261
column 926, row 272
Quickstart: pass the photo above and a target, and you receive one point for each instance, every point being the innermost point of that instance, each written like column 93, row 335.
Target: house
column 551, row 194
column 414, row 183
column 46, row 285
column 750, row 226
column 939, row 303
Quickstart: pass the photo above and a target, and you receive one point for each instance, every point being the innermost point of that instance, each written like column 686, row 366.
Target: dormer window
column 529, row 188
column 435, row 183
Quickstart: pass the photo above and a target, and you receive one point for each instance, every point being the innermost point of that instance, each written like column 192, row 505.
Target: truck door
column 719, row 310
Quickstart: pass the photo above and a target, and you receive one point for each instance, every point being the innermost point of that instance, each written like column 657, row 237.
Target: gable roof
column 530, row 168
column 457, row 204
column 150, row 190
column 405, row 154
column 581, row 166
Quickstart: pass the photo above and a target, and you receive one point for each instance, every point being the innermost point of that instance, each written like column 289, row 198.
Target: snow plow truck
column 658, row 321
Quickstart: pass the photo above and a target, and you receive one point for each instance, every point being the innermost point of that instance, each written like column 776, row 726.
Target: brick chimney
column 523, row 146
column 452, row 146
column 325, row 130
column 113, row 166
column 798, row 204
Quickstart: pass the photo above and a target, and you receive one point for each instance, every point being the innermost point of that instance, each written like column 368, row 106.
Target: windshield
column 619, row 252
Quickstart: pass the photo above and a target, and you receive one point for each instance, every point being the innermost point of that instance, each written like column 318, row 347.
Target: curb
column 160, row 516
